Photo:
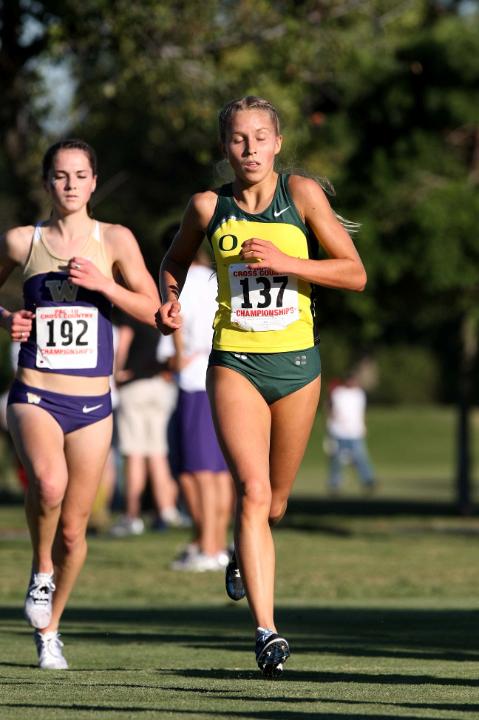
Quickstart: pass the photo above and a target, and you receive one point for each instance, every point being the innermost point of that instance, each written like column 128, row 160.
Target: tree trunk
column 468, row 341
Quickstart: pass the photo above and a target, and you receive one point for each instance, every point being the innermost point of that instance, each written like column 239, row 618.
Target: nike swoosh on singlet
column 280, row 212
column 87, row 409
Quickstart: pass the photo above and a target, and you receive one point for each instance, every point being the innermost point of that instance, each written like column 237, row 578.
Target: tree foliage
column 379, row 96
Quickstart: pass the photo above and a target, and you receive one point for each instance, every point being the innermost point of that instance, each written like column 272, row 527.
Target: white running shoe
column 49, row 650
column 196, row 562
column 38, row 601
column 204, row 563
column 223, row 558
column 126, row 526
column 172, row 518
column 183, row 560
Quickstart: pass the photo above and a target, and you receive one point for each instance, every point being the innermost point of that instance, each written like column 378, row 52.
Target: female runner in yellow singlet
column 266, row 230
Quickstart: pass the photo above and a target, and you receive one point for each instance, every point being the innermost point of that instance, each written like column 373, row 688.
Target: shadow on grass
column 313, row 513
column 224, row 632
column 322, row 505
column 312, row 505
column 423, row 634
column 316, row 514
column 255, row 714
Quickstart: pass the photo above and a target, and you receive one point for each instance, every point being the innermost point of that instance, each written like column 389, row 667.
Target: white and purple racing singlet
column 71, row 331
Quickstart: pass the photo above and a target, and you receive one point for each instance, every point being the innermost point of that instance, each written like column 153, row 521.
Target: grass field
column 380, row 607
column 413, row 450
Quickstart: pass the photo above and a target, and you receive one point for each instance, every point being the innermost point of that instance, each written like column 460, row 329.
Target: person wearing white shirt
column 346, row 441
column 203, row 473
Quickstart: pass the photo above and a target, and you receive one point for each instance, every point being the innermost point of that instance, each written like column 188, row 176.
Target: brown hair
column 249, row 102
column 70, row 144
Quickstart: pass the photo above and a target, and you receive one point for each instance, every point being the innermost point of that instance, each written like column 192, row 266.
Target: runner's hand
column 168, row 318
column 19, row 325
column 84, row 273
column 255, row 251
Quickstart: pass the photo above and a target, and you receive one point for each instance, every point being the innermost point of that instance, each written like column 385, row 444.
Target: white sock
column 170, row 514
column 263, row 633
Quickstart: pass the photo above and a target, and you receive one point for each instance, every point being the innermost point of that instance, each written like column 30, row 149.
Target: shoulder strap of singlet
column 37, row 233
column 222, row 209
column 36, row 238
column 282, row 188
column 225, row 196
column 96, row 234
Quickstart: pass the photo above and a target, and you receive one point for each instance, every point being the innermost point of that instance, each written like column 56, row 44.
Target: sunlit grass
column 381, row 614
column 378, row 597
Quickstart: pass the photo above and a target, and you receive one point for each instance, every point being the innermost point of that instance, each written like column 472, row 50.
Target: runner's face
column 252, row 144
column 71, row 180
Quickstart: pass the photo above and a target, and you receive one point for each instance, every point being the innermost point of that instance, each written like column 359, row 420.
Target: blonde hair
column 253, row 102
column 249, row 102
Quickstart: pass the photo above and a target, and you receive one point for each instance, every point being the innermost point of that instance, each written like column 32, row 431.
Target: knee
column 277, row 512
column 73, row 536
column 48, row 489
column 255, row 496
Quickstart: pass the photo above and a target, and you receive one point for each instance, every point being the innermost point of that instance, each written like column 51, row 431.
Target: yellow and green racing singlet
column 259, row 310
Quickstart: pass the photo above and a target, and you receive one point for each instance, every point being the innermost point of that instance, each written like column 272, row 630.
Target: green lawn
column 380, row 608
column 382, row 618
column 413, row 450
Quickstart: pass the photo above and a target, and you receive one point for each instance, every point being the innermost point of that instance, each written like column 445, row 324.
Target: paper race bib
column 261, row 299
column 67, row 337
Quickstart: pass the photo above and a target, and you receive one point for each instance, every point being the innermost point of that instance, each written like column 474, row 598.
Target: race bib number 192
column 261, row 299
column 67, row 337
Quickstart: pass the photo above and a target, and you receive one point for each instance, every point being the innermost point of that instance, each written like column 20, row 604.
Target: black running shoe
column 233, row 582
column 271, row 653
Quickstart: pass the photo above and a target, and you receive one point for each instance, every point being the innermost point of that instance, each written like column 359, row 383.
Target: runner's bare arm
column 179, row 257
column 14, row 249
column 343, row 267
column 140, row 297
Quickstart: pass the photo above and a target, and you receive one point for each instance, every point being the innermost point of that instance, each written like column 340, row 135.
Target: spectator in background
column 346, row 440
column 100, row 518
column 17, row 467
column 204, row 478
column 147, row 396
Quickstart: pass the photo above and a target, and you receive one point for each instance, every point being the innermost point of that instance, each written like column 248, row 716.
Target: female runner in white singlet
column 59, row 412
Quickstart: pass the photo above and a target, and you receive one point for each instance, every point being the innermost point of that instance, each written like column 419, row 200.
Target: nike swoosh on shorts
column 87, row 409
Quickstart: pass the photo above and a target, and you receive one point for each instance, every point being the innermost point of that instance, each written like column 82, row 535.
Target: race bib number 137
column 67, row 337
column 261, row 299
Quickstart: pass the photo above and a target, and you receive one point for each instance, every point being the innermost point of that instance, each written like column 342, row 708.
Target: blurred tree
column 413, row 175
column 380, row 96
column 20, row 44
